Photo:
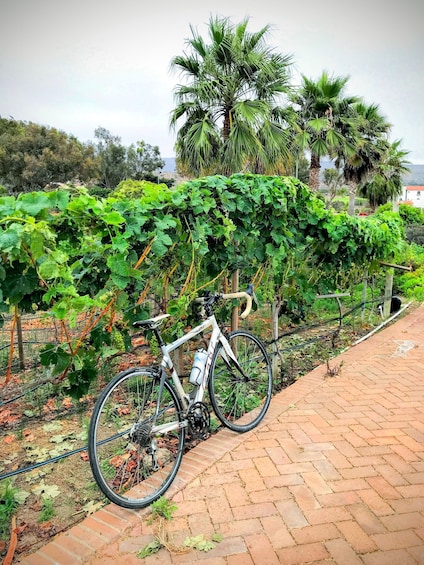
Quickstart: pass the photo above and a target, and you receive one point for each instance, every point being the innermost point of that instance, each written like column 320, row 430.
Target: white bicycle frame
column 167, row 363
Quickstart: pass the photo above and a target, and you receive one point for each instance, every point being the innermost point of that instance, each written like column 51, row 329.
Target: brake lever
column 251, row 292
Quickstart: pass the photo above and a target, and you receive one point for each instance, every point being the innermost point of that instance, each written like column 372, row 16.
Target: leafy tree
column 323, row 118
column 143, row 160
column 231, row 102
column 386, row 182
column 333, row 178
column 112, row 154
column 118, row 162
column 32, row 156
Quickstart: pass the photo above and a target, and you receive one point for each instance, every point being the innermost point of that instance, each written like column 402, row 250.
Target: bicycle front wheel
column 240, row 395
column 134, row 456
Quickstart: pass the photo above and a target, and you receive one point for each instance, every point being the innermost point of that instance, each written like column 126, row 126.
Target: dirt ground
column 55, row 496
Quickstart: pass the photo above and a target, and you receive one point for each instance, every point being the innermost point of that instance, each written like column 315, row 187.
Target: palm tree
column 231, row 102
column 323, row 115
column 386, row 182
column 370, row 142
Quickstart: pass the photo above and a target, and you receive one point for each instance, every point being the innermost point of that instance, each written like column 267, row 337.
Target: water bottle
column 199, row 363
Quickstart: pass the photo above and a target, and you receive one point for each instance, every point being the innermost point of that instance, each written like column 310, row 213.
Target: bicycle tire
column 130, row 466
column 241, row 401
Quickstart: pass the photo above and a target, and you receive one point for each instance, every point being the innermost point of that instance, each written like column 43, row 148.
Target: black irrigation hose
column 42, row 463
column 24, row 393
column 60, row 457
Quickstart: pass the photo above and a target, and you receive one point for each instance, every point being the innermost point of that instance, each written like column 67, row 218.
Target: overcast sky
column 79, row 64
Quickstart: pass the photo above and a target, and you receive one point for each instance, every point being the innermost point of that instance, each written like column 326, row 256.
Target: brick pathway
column 334, row 474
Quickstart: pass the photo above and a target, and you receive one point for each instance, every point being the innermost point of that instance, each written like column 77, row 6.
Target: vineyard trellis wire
column 320, row 334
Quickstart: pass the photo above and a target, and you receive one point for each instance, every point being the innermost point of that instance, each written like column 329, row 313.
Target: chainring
column 199, row 420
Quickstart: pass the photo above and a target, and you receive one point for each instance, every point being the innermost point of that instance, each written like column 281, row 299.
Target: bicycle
column 139, row 422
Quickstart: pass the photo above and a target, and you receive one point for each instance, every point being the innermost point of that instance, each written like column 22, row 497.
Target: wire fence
column 290, row 346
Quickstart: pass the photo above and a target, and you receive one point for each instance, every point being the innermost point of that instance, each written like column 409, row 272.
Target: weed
column 162, row 512
column 8, row 504
column 214, row 424
column 47, row 511
column 162, row 508
column 201, row 543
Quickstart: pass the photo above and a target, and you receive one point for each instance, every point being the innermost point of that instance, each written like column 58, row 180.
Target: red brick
column 251, row 479
column 396, row 540
column 304, row 497
column 261, row 550
column 301, row 554
column 291, row 514
column 254, row 510
column 219, row 510
column 236, row 494
column 88, row 536
column 58, row 554
column 342, row 498
column 342, row 552
column 243, row 527
column 270, row 494
column 359, row 540
column 38, row 558
column 411, row 491
column 265, row 467
column 327, row 515
column 408, row 521
column 278, row 455
column 75, row 546
column 392, row 475
column 316, row 483
column 241, row 559
column 408, row 505
column 395, row 557
column 277, row 532
column 375, row 503
column 358, row 472
column 349, row 485
column 312, row 534
column 383, row 488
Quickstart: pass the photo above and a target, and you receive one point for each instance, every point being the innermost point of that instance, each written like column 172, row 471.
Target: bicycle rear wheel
column 240, row 397
column 133, row 464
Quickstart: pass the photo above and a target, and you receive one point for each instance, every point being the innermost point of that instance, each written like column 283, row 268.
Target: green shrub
column 411, row 284
column 99, row 191
column 136, row 188
column 409, row 214
column 414, row 233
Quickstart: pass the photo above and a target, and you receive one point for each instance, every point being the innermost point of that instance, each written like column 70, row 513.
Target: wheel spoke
column 132, row 464
column 240, row 393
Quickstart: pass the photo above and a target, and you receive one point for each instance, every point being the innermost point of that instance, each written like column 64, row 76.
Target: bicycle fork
column 230, row 359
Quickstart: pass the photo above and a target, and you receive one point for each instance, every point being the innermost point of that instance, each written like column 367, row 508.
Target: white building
column 414, row 195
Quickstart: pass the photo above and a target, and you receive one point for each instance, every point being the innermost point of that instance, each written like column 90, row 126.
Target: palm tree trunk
column 314, row 172
column 352, row 187
column 226, row 125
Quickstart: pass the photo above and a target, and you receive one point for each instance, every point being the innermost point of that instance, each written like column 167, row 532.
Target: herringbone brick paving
column 334, row 474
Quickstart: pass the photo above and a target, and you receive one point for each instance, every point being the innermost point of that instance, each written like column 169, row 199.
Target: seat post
column 158, row 336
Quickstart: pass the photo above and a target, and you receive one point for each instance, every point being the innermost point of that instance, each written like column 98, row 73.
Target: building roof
column 411, row 188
